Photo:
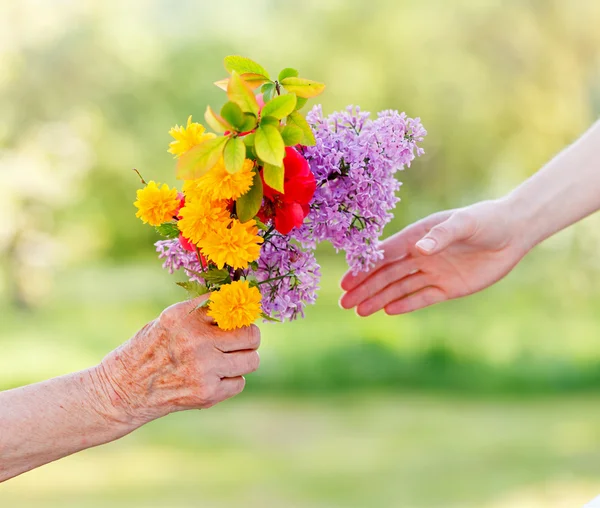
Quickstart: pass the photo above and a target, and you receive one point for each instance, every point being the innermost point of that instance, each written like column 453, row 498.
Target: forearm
column 43, row 422
column 566, row 190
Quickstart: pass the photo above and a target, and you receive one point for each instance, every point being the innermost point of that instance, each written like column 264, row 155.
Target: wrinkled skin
column 179, row 361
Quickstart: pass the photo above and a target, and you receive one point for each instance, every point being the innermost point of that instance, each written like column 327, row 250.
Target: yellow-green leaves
column 280, row 106
column 269, row 145
column 248, row 205
column 243, row 65
column 216, row 123
column 234, row 155
column 273, row 176
column 297, row 120
column 233, row 114
column 288, row 72
column 258, row 135
column 201, row 159
column 292, row 135
column 241, row 94
column 302, row 87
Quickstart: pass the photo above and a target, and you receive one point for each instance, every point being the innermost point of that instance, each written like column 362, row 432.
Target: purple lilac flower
column 354, row 162
column 295, row 275
column 176, row 258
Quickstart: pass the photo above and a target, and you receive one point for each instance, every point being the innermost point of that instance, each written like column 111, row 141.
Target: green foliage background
column 345, row 411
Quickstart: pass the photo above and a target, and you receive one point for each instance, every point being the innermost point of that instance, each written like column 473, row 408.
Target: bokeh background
column 491, row 401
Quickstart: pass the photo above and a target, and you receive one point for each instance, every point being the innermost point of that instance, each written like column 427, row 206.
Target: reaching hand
column 446, row 255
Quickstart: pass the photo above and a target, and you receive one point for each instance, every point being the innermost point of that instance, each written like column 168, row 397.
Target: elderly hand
column 179, row 361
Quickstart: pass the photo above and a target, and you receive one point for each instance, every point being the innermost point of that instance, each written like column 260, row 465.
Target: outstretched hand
column 446, row 255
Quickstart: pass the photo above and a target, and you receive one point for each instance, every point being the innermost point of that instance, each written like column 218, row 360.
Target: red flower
column 290, row 208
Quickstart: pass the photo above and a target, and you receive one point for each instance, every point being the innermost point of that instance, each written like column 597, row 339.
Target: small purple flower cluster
column 176, row 258
column 288, row 278
column 354, row 161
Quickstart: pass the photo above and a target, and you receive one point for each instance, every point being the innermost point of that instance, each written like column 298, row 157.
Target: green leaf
column 201, row 159
column 280, row 106
column 300, row 103
column 249, row 139
column 216, row 123
column 232, row 113
column 269, row 318
column 297, row 120
column 248, row 205
column 215, row 276
column 242, row 65
column 268, row 90
column 303, row 87
column 249, row 123
column 273, row 176
column 194, row 289
column 270, row 120
column 239, row 92
column 292, row 135
column 269, row 145
column 288, row 72
column 168, row 230
column 267, row 86
column 234, row 155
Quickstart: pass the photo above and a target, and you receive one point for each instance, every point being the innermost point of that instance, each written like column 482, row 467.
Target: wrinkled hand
column 446, row 255
column 179, row 361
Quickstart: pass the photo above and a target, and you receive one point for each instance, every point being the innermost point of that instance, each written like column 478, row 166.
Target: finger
column 238, row 363
column 229, row 387
column 241, row 339
column 424, row 298
column 394, row 248
column 397, row 246
column 457, row 227
column 378, row 280
column 392, row 293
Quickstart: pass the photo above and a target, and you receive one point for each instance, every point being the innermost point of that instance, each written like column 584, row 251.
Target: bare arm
column 43, row 422
column 459, row 252
column 179, row 361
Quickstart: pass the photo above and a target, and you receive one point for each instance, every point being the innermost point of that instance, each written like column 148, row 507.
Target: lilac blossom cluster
column 177, row 258
column 354, row 161
column 288, row 278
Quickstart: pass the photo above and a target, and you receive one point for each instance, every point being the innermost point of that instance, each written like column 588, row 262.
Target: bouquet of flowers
column 260, row 194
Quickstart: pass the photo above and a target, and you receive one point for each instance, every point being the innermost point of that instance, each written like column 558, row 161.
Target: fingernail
column 426, row 244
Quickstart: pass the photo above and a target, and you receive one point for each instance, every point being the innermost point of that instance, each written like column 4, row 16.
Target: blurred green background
column 491, row 401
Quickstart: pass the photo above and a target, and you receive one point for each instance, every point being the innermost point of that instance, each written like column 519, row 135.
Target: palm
column 481, row 252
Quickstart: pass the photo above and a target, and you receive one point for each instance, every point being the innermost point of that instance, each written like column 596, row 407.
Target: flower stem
column 274, row 278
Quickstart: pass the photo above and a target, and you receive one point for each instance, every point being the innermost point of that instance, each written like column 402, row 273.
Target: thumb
column 444, row 234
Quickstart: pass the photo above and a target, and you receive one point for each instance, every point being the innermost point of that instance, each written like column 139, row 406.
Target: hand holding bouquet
column 258, row 196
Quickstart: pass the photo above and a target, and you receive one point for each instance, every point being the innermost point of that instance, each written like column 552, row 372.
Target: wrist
column 109, row 402
column 522, row 218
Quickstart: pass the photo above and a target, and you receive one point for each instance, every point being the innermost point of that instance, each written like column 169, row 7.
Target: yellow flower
column 156, row 205
column 198, row 218
column 187, row 137
column 233, row 244
column 218, row 183
column 235, row 305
